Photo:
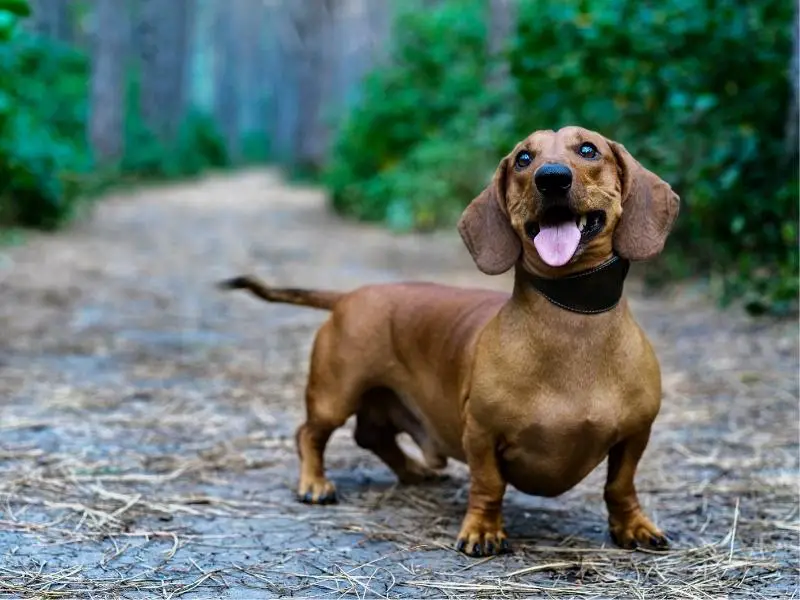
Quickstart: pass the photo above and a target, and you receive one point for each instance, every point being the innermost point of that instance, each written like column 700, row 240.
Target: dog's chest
column 550, row 445
column 557, row 401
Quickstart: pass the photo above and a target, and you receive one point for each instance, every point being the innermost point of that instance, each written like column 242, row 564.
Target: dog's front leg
column 629, row 526
column 482, row 532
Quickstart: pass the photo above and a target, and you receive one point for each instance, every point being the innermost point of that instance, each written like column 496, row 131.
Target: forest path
column 146, row 424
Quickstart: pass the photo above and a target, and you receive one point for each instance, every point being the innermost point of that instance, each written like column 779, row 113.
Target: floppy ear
column 649, row 209
column 486, row 230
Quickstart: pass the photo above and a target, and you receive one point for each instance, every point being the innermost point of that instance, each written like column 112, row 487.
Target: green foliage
column 46, row 169
column 440, row 168
column 698, row 92
column 255, row 148
column 683, row 85
column 198, row 146
column 436, row 61
column 17, row 8
column 42, row 124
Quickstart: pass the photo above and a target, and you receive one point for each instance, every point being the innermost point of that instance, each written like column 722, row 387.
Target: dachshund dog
column 533, row 388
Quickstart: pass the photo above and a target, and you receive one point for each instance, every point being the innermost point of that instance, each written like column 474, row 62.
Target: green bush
column 256, row 148
column 198, row 144
column 437, row 60
column 46, row 168
column 699, row 92
column 43, row 91
column 443, row 167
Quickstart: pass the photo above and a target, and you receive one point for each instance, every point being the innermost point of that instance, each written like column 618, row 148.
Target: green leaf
column 20, row 8
column 8, row 22
column 737, row 224
column 6, row 105
column 705, row 102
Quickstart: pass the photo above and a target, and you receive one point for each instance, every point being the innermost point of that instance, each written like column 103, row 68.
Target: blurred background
column 402, row 109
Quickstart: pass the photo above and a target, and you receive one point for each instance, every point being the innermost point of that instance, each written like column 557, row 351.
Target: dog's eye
column 588, row 150
column 523, row 160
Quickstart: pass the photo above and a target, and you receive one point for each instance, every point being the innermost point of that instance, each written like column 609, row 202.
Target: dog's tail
column 312, row 298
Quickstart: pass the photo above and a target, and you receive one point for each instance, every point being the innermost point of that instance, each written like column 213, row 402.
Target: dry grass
column 146, row 433
column 708, row 571
column 96, row 504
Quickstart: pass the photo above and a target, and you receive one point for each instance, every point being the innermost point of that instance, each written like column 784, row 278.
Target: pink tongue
column 557, row 243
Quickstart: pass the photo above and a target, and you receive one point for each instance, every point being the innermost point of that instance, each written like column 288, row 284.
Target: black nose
column 552, row 179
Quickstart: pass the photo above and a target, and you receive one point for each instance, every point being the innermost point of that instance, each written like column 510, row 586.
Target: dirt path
column 146, row 424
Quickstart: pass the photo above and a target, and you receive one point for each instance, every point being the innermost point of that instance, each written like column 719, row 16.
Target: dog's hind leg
column 312, row 438
column 377, row 426
column 331, row 398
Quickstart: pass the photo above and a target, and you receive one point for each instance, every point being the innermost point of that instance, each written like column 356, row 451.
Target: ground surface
column 146, row 424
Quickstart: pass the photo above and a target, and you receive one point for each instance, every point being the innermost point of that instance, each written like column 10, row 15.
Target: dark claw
column 461, row 544
column 659, row 542
column 505, row 546
column 308, row 498
column 632, row 545
column 490, row 548
column 616, row 541
column 476, row 551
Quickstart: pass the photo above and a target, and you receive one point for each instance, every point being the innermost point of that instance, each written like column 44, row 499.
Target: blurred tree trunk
column 311, row 19
column 52, row 18
column 345, row 38
column 501, row 23
column 110, row 30
column 163, row 33
column 267, row 72
column 318, row 54
column 201, row 66
column 378, row 17
column 362, row 28
column 499, row 111
column 226, row 96
column 265, row 69
column 284, row 78
column 251, row 81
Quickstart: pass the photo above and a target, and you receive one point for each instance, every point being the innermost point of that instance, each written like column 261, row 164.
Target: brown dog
column 534, row 389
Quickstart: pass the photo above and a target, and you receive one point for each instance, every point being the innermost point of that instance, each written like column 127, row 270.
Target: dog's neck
column 593, row 291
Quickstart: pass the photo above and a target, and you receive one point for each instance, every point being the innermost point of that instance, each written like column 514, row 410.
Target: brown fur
column 525, row 392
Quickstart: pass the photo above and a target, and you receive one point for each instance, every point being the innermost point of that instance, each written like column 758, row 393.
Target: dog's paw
column 479, row 537
column 320, row 491
column 637, row 531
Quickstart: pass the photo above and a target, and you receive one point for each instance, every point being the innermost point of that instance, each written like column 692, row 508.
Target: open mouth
column 559, row 232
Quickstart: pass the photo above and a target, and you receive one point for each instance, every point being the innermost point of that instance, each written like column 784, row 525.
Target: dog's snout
column 553, row 178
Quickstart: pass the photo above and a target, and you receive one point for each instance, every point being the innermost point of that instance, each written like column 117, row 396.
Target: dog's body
column 521, row 389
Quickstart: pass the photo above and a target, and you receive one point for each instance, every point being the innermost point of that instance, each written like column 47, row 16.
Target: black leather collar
column 588, row 292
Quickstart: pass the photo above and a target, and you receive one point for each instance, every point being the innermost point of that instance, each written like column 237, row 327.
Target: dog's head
column 564, row 201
